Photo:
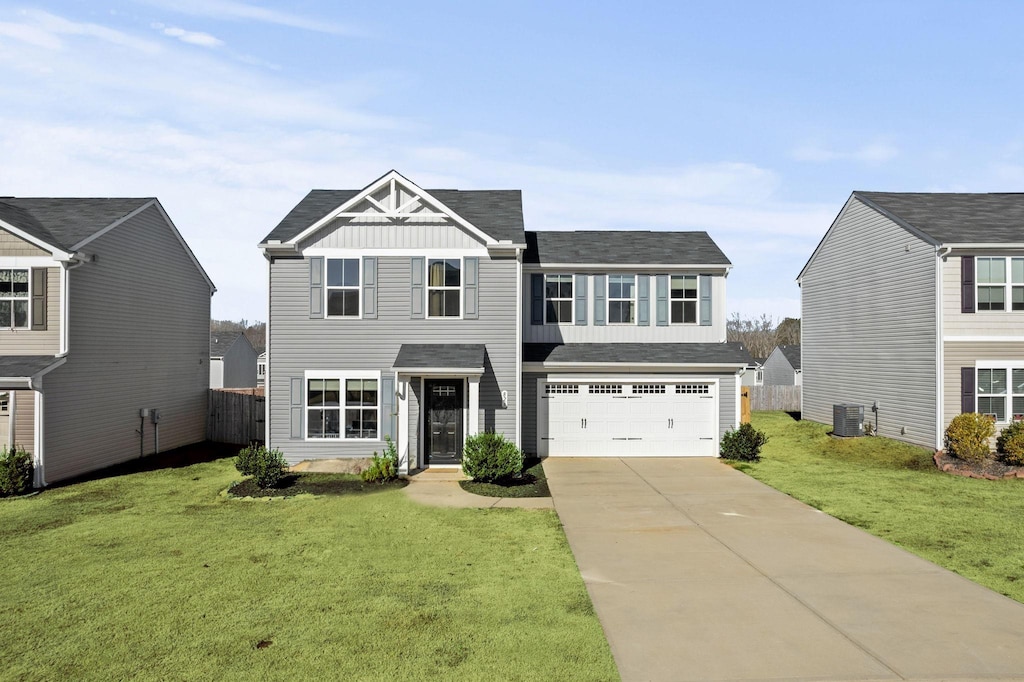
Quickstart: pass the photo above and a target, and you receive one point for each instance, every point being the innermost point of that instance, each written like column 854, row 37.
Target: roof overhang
column 442, row 359
column 644, row 267
column 28, row 376
column 439, row 371
column 58, row 252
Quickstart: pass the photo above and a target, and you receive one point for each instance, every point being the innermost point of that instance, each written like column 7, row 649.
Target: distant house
column 754, row 376
column 261, row 369
column 104, row 323
column 233, row 361
column 782, row 367
column 915, row 302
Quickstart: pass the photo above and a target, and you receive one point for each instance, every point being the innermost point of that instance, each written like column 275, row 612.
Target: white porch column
column 402, row 389
column 473, row 427
column 37, row 439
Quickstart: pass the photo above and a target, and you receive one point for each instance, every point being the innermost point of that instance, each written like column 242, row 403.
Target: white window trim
column 28, row 319
column 341, row 376
column 462, row 288
column 1009, row 366
column 572, row 299
column 358, row 287
column 1007, row 286
column 696, row 301
column 608, row 300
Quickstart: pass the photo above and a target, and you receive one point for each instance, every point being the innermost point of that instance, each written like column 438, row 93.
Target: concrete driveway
column 699, row 572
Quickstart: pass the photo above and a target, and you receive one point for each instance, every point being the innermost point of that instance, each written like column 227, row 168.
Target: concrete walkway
column 440, row 488
column 699, row 572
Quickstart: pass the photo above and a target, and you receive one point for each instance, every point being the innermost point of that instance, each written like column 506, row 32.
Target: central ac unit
column 847, row 420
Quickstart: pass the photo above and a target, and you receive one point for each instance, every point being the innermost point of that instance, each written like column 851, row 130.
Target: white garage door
column 658, row 419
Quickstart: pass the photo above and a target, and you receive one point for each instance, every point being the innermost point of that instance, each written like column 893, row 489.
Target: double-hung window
column 444, row 287
column 558, row 299
column 342, row 287
column 684, row 299
column 361, row 403
column 1000, row 283
column 323, row 408
column 621, row 299
column 342, row 408
column 14, row 298
column 1001, row 393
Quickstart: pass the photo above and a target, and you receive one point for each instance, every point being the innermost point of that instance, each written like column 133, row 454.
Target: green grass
column 157, row 576
column 534, row 483
column 893, row 490
column 313, row 483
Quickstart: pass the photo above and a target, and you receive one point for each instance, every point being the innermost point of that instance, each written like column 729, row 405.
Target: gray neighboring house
column 430, row 315
column 233, row 361
column 88, row 337
column 782, row 367
column 916, row 301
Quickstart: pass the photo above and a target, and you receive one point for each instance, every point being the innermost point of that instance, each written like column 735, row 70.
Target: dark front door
column 444, row 421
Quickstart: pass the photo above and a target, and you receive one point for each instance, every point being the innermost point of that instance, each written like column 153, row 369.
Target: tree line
column 761, row 335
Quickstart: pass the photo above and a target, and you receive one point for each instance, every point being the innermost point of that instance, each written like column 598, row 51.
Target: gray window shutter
column 416, row 288
column 369, row 288
column 316, row 288
column 967, row 285
column 388, row 413
column 536, row 298
column 471, row 287
column 705, row 300
column 600, row 293
column 661, row 305
column 967, row 390
column 296, row 408
column 39, row 299
column 643, row 297
column 581, row 300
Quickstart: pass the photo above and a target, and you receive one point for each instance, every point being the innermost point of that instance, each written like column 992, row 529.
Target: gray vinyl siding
column 299, row 343
column 340, row 234
column 24, row 404
column 13, row 245
column 140, row 337
column 868, row 321
column 239, row 366
column 47, row 342
column 778, row 371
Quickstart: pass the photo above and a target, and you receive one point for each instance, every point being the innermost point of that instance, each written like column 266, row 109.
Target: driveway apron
column 699, row 572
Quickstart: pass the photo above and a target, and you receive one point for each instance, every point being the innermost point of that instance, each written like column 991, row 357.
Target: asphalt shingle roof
column 428, row 356
column 623, row 247
column 638, row 353
column 64, row 222
column 24, row 365
column 951, row 218
column 792, row 355
column 221, row 342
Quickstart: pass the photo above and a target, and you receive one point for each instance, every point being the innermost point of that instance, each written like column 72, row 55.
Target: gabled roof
column 65, row 222
column 460, row 356
column 221, row 342
column 792, row 354
column 954, row 218
column 623, row 247
column 638, row 353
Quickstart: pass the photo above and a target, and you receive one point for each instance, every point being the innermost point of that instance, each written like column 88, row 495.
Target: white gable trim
column 58, row 253
column 393, row 178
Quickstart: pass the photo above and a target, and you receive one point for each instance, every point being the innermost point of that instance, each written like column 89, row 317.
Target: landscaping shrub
column 967, row 436
column 1010, row 444
column 488, row 457
column 743, row 444
column 15, row 471
column 384, row 467
column 265, row 466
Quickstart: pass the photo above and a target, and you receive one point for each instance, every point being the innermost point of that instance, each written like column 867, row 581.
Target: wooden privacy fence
column 236, row 416
column 785, row 398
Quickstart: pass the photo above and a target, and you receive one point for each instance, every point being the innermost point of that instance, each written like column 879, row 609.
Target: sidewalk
column 440, row 488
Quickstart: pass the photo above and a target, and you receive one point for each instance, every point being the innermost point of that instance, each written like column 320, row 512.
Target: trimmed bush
column 1010, row 444
column 384, row 467
column 742, row 444
column 488, row 457
column 15, row 471
column 967, row 436
column 265, row 466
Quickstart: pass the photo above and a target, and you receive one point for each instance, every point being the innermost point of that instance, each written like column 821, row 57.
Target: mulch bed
column 990, row 469
column 532, row 483
column 313, row 484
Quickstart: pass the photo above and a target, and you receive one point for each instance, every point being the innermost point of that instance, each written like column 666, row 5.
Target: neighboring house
column 104, row 312
column 261, row 369
column 782, row 368
column 754, row 376
column 916, row 302
column 233, row 361
column 430, row 315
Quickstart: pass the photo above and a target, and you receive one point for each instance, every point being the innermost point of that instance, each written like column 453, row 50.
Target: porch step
column 437, row 475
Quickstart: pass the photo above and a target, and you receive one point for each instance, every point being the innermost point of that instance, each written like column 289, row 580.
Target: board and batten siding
column 38, row 342
column 13, row 245
column 342, row 234
column 626, row 333
column 139, row 337
column 298, row 344
column 979, row 323
column 868, row 305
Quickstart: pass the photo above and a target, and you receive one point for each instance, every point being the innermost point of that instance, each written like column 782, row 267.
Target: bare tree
column 758, row 335
column 788, row 332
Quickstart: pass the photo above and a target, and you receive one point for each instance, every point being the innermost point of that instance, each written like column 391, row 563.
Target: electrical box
column 154, row 414
column 144, row 412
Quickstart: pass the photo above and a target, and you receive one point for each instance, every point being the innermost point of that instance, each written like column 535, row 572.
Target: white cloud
column 190, row 37
column 872, row 153
column 241, row 11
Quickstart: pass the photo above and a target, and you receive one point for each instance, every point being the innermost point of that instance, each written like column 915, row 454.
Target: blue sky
column 753, row 121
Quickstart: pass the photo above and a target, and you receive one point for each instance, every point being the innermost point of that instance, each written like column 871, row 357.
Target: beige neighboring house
column 233, row 361
column 104, row 333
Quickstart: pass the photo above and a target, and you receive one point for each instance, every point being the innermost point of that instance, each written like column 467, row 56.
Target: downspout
column 940, row 349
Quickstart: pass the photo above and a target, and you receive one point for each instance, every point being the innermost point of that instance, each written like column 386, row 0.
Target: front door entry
column 444, row 421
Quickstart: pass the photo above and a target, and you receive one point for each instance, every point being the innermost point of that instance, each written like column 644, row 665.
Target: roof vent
column 847, row 420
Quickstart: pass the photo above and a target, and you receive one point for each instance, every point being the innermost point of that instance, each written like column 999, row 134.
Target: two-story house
column 914, row 303
column 430, row 315
column 104, row 333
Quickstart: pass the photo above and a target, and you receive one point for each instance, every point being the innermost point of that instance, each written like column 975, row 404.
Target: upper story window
column 343, row 287
column 14, row 298
column 1000, row 283
column 684, row 299
column 558, row 299
column 1001, row 392
column 444, row 287
column 621, row 299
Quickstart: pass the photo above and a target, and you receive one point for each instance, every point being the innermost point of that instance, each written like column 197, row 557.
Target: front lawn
column 155, row 575
column 893, row 490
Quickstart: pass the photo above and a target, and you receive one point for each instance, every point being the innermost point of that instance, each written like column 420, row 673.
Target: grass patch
column 893, row 490
column 154, row 575
column 533, row 483
column 313, row 483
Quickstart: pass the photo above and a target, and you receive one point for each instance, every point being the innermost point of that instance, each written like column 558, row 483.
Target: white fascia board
column 631, row 367
column 704, row 268
column 58, row 253
column 111, row 226
column 990, row 246
column 425, row 197
column 440, row 371
column 31, row 382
